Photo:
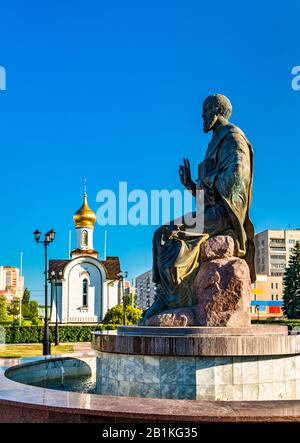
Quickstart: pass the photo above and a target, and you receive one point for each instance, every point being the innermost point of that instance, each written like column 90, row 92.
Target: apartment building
column 273, row 250
column 266, row 297
column 11, row 281
column 145, row 290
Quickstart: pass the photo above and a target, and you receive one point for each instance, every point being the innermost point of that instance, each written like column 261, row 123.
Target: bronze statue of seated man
column 225, row 177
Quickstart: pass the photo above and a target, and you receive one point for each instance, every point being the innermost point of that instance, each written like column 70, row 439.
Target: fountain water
column 62, row 372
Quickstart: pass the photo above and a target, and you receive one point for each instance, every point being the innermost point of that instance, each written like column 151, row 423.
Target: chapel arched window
column 85, row 290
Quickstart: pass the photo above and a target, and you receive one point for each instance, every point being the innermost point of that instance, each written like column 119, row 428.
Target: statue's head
column 214, row 107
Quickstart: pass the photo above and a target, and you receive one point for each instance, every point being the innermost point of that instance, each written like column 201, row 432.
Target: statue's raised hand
column 185, row 174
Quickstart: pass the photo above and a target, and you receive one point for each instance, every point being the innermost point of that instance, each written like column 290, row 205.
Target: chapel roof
column 111, row 266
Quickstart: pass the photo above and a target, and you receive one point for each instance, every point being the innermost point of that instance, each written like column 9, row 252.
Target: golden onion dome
column 84, row 217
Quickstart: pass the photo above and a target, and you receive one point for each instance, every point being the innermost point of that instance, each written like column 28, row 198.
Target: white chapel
column 83, row 288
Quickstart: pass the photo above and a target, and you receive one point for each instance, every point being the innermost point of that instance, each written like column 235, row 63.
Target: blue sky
column 113, row 91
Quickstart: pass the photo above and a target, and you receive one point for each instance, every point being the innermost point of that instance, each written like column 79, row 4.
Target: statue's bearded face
column 209, row 115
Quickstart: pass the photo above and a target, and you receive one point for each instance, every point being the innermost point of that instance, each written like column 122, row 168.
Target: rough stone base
column 221, row 291
column 199, row 378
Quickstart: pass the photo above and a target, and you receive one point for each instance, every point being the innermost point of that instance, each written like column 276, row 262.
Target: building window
column 277, row 240
column 85, row 289
column 272, row 296
column 272, row 285
column 276, row 285
column 277, row 297
column 291, row 241
column 84, row 238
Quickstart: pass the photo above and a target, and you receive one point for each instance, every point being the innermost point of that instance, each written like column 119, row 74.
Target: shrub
column 115, row 315
column 4, row 316
column 34, row 334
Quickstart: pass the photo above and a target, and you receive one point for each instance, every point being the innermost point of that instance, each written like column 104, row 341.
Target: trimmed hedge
column 72, row 334
column 67, row 334
column 285, row 321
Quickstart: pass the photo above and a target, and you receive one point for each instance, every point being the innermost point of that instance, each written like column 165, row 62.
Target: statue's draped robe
column 225, row 176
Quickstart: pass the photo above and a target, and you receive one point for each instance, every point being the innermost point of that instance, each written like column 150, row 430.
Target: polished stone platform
column 211, row 364
column 198, row 341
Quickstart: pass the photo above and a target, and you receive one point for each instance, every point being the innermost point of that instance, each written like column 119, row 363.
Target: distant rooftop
column 283, row 230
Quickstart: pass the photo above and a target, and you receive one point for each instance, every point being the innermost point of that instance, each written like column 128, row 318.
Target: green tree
column 26, row 296
column 14, row 307
column 30, row 308
column 130, row 300
column 25, row 303
column 115, row 315
column 4, row 317
column 33, row 310
column 291, row 285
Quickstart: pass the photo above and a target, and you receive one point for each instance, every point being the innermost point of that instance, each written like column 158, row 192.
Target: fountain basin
column 23, row 403
column 42, row 371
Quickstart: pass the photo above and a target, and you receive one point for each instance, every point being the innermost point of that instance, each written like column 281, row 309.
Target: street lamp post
column 49, row 237
column 257, row 310
column 123, row 275
column 54, row 276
